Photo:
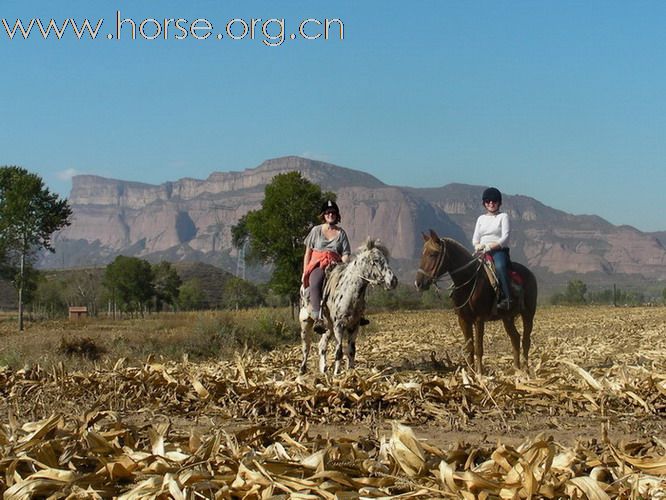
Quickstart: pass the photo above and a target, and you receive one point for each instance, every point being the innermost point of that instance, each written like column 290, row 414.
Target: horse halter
column 370, row 280
column 435, row 275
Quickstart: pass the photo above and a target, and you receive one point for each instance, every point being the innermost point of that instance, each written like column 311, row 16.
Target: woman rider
column 326, row 243
column 491, row 235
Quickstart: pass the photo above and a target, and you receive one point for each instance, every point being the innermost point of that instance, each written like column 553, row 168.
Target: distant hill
column 191, row 220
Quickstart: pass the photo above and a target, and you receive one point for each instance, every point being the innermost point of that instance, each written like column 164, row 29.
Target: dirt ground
column 596, row 375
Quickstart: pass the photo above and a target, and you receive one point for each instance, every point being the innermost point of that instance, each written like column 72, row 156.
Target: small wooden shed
column 78, row 312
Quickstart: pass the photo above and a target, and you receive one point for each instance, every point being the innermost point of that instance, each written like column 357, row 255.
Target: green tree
column 167, row 282
column 50, row 298
column 191, row 296
column 129, row 281
column 29, row 215
column 575, row 292
column 240, row 294
column 573, row 295
column 277, row 230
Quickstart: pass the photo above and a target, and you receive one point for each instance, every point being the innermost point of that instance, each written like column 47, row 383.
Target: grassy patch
column 197, row 335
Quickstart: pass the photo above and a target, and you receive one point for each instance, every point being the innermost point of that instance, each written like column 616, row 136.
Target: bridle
column 369, row 280
column 436, row 275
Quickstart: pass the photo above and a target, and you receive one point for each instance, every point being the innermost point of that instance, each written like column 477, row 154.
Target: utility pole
column 240, row 261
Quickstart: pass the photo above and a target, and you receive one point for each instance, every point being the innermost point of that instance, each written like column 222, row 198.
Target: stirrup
column 504, row 304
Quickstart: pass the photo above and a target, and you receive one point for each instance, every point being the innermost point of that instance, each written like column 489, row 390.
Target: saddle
column 515, row 279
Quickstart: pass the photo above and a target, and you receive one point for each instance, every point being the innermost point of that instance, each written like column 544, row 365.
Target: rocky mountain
column 191, row 219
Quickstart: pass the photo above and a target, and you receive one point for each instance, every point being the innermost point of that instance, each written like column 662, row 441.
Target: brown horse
column 474, row 297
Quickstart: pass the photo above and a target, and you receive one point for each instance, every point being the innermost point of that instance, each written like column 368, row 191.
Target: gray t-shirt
column 317, row 241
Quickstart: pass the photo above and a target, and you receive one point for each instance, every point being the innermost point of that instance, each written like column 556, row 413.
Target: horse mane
column 371, row 243
column 335, row 272
column 457, row 244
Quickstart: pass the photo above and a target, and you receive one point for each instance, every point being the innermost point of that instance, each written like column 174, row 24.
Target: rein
column 440, row 261
column 436, row 277
column 365, row 278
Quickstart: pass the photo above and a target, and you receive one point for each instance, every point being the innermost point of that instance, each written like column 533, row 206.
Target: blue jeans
column 502, row 265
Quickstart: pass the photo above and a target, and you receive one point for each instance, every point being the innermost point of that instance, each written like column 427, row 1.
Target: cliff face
column 191, row 219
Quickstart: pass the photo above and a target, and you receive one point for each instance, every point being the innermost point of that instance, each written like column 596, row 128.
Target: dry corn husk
column 244, row 428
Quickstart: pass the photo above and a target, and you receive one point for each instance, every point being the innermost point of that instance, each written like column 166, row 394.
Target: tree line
column 576, row 293
column 131, row 286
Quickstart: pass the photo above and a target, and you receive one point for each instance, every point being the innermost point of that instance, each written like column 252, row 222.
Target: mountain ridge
column 191, row 219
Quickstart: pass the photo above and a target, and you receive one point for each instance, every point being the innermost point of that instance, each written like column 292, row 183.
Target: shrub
column 81, row 347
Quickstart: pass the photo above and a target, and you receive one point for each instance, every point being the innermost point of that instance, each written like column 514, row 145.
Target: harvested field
column 412, row 420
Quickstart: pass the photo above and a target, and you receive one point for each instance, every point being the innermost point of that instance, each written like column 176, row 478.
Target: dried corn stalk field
column 412, row 421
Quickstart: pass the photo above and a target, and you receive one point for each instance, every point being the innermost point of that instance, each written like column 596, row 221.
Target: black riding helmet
column 330, row 206
column 492, row 194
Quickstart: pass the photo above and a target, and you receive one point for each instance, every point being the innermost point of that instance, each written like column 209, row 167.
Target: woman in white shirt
column 491, row 235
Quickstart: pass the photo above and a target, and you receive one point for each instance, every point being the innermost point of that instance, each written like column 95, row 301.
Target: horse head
column 372, row 260
column 432, row 262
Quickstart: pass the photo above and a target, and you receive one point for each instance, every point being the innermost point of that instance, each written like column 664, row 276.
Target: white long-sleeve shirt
column 492, row 229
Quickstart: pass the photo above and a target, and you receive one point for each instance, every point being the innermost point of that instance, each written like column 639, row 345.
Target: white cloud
column 67, row 174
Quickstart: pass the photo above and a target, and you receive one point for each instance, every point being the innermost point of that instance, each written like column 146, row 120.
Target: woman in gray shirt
column 326, row 243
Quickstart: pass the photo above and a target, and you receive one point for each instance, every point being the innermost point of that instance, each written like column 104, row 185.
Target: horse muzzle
column 422, row 281
column 392, row 283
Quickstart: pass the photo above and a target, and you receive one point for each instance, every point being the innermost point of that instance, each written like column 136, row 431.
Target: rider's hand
column 480, row 247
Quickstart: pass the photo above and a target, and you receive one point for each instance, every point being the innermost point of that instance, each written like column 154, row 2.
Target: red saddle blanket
column 513, row 275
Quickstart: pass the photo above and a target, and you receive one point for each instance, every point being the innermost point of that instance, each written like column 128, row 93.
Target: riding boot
column 504, row 304
column 318, row 326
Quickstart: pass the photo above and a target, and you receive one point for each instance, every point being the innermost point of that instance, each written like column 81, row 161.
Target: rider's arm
column 505, row 225
column 345, row 247
column 476, row 237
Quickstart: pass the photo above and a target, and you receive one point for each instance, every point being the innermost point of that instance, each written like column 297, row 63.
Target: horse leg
column 338, row 331
column 323, row 343
column 510, row 327
column 306, row 342
column 479, row 328
column 466, row 328
column 528, row 323
column 351, row 349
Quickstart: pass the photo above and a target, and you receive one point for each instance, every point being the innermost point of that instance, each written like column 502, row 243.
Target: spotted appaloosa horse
column 473, row 296
column 343, row 302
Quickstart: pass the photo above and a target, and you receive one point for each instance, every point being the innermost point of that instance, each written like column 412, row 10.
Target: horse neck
column 352, row 277
column 457, row 258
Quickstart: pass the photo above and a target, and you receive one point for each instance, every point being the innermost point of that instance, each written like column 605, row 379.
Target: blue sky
column 561, row 100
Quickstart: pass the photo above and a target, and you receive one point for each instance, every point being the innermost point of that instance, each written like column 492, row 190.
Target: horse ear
column 434, row 235
column 425, row 237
